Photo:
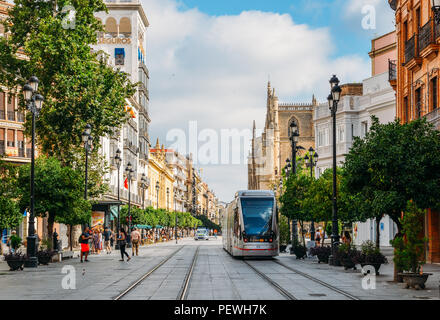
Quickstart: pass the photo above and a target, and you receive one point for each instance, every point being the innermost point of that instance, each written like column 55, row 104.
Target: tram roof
column 255, row 193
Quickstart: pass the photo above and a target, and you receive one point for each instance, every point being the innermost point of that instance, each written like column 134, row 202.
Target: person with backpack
column 122, row 241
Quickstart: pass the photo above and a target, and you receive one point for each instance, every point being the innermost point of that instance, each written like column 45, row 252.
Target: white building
column 177, row 162
column 124, row 41
column 354, row 119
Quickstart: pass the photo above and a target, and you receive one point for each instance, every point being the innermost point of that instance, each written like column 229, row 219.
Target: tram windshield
column 257, row 215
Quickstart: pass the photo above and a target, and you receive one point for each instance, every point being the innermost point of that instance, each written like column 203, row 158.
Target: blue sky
column 347, row 31
column 210, row 61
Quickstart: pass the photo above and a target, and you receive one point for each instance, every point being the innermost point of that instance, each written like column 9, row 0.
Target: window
column 434, row 92
column 405, row 31
column 11, row 138
column 11, row 107
column 364, row 126
column 2, row 105
column 352, row 132
column 341, row 133
column 418, row 18
column 405, row 109
column 418, row 103
column 2, row 141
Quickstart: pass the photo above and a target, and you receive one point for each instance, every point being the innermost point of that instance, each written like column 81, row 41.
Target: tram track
column 183, row 294
column 316, row 280
column 146, row 275
column 280, row 289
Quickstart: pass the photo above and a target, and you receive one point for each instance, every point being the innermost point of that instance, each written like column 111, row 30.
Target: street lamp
column 333, row 101
column 435, row 6
column 145, row 184
column 175, row 213
column 168, row 199
column 34, row 103
column 118, row 161
column 311, row 162
column 130, row 173
column 88, row 144
column 157, row 193
column 294, row 138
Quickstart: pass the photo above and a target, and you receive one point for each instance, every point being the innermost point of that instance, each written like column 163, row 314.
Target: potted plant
column 323, row 253
column 15, row 260
column 370, row 256
column 299, row 250
column 347, row 255
column 409, row 249
column 45, row 256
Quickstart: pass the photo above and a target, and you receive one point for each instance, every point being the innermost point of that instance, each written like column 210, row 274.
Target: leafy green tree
column 394, row 164
column 59, row 192
column 78, row 85
column 10, row 214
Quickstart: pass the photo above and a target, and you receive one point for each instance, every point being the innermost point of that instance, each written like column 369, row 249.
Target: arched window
column 111, row 27
column 125, row 27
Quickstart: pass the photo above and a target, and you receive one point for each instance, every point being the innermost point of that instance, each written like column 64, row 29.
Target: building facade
column 123, row 43
column 416, row 82
column 161, row 175
column 359, row 102
column 270, row 151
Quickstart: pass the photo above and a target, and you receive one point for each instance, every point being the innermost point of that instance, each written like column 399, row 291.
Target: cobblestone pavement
column 216, row 276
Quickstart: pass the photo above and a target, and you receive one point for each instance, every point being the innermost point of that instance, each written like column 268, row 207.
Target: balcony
column 426, row 40
column 392, row 73
column 130, row 146
column 28, row 152
column 412, row 58
column 434, row 118
column 2, row 148
column 2, row 115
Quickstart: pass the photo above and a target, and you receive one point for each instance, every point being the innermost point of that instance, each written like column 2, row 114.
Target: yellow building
column 161, row 175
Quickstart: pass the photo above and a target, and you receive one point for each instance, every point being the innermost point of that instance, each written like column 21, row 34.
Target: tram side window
column 236, row 222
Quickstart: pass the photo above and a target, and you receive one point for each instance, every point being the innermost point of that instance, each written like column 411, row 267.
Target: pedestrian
column 318, row 237
column 107, row 236
column 135, row 240
column 84, row 240
column 215, row 233
column 122, row 241
column 98, row 241
column 346, row 238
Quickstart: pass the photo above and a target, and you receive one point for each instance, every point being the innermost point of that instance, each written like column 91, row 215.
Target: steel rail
column 146, row 275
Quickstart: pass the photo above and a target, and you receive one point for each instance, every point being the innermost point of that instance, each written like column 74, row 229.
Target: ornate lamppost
column 130, row 173
column 87, row 139
column 157, row 194
column 294, row 138
column 333, row 101
column 145, row 184
column 312, row 161
column 34, row 102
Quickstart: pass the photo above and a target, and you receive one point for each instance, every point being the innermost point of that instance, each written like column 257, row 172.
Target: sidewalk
column 351, row 280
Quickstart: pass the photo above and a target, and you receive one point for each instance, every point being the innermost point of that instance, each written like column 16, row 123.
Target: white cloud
column 215, row 69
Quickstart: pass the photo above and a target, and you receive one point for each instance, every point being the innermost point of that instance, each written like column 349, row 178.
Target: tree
column 293, row 199
column 394, row 164
column 78, row 85
column 10, row 214
column 59, row 192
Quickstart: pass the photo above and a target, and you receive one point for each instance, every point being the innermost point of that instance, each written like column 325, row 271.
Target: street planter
column 348, row 263
column 347, row 255
column 323, row 253
column 415, row 280
column 45, row 256
column 300, row 251
column 15, row 261
column 283, row 248
column 376, row 267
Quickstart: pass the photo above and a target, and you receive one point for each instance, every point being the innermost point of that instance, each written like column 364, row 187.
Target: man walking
column 84, row 240
column 107, row 236
column 135, row 240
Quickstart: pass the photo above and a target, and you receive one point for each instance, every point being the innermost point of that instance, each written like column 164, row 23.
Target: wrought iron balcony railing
column 392, row 70
column 2, row 115
column 410, row 49
column 2, row 148
column 425, row 36
column 11, row 115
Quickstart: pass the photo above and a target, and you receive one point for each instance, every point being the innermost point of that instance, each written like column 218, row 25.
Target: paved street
column 215, row 276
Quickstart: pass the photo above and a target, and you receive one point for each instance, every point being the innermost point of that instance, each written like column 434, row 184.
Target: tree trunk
column 301, row 224
column 70, row 237
column 50, row 223
column 378, row 231
column 323, row 236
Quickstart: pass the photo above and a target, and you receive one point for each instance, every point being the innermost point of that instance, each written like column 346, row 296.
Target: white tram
column 250, row 225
